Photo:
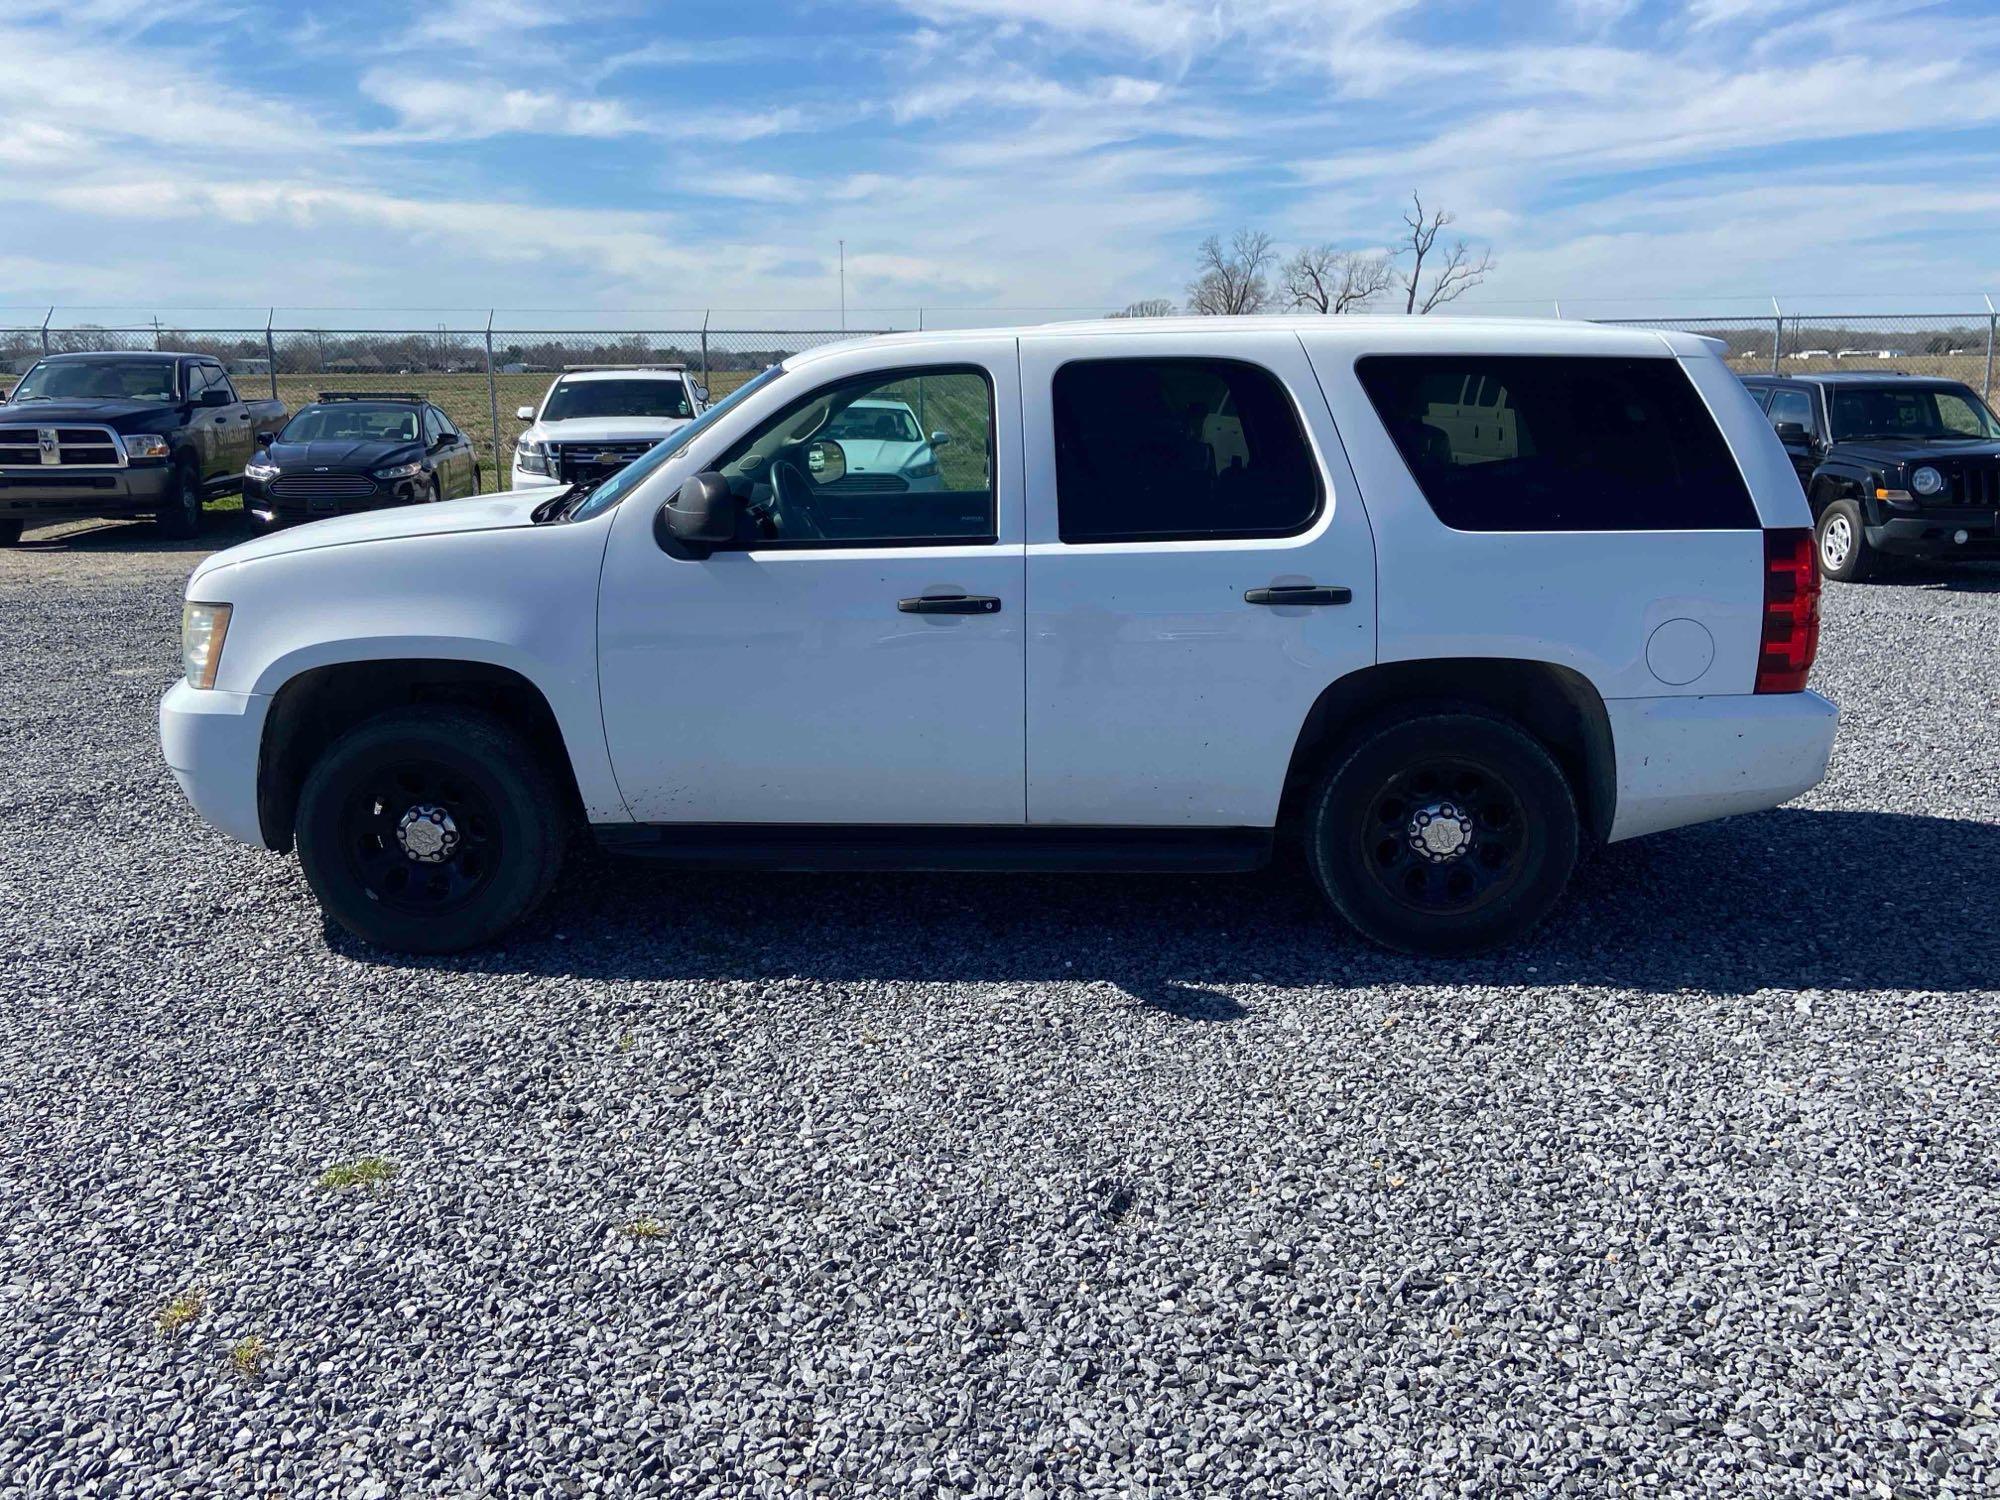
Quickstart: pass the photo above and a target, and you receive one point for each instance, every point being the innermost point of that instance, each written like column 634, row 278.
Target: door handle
column 1300, row 593
column 950, row 604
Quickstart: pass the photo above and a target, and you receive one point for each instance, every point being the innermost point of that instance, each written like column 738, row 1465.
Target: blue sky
column 1033, row 154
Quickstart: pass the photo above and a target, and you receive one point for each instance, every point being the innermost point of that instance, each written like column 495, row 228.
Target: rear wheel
column 430, row 830
column 10, row 532
column 179, row 514
column 1444, row 834
column 1844, row 553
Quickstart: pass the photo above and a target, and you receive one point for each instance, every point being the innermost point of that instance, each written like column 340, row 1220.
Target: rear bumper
column 1687, row 760
column 212, row 741
column 27, row 495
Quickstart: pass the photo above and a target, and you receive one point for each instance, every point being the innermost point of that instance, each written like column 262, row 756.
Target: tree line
column 1421, row 270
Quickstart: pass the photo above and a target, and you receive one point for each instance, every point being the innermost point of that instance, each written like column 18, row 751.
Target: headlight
column 260, row 471
column 531, row 458
column 147, row 445
column 1927, row 481
column 202, row 628
column 925, row 470
column 402, row 471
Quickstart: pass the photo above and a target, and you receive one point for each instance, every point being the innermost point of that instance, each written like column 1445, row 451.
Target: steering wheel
column 791, row 509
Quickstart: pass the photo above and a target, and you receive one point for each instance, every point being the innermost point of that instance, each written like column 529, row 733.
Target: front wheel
column 179, row 514
column 1444, row 834
column 429, row 830
column 1844, row 553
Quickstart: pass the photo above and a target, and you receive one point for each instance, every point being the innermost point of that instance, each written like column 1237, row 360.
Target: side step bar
column 767, row 846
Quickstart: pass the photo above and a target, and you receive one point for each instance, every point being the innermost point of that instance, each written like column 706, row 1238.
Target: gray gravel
column 768, row 1185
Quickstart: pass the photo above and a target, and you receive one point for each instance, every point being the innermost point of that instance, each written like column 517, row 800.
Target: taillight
column 1791, row 611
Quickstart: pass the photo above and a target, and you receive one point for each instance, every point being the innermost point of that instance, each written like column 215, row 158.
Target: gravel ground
column 765, row 1185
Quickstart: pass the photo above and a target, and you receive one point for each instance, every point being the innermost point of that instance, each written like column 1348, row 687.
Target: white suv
column 593, row 422
column 1445, row 602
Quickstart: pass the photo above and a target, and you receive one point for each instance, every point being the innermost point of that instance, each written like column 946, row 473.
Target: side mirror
column 524, row 413
column 264, row 439
column 826, row 461
column 215, row 397
column 701, row 394
column 1793, row 434
column 940, row 439
column 700, row 518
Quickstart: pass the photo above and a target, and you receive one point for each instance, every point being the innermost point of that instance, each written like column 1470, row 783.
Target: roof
column 1857, row 377
column 1393, row 331
column 90, row 354
column 627, row 372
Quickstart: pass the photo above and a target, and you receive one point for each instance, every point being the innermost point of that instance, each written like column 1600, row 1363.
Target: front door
column 1200, row 569
column 1792, row 408
column 856, row 656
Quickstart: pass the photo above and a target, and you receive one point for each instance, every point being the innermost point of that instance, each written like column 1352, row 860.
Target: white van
column 1445, row 602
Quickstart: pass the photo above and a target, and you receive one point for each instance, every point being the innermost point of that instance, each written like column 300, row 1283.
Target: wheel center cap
column 1440, row 832
column 427, row 834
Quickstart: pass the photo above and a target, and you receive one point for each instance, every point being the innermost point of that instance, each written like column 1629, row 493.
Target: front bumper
column 274, row 509
column 212, row 741
column 523, row 480
column 1933, row 531
column 30, row 494
column 1687, row 760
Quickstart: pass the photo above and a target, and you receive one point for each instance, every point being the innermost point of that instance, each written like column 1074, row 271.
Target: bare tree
column 1232, row 280
column 1149, row 307
column 1327, row 280
column 1455, row 270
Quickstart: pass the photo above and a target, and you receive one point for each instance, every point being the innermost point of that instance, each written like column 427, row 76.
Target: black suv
column 359, row 450
column 1893, row 465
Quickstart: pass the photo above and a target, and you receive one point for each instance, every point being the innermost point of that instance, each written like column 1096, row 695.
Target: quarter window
column 892, row 458
column 1570, row 444
column 1164, row 449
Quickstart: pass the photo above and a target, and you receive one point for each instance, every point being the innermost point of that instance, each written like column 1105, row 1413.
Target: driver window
column 903, row 458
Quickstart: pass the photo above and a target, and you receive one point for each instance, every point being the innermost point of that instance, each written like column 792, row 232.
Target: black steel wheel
column 1445, row 833
column 430, row 830
column 179, row 514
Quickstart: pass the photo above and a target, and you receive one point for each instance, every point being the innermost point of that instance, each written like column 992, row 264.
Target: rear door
column 1199, row 570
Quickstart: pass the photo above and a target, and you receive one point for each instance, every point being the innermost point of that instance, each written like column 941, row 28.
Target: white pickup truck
column 1444, row 602
column 593, row 422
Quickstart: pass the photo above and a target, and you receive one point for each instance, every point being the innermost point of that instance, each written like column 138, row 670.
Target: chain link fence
column 1955, row 346
column 479, row 377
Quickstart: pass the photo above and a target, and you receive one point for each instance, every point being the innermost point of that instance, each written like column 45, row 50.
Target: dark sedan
column 359, row 451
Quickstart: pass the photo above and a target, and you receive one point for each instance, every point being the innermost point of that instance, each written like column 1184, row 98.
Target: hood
column 876, row 456
column 494, row 513
column 343, row 453
column 1916, row 450
column 121, row 415
column 609, row 429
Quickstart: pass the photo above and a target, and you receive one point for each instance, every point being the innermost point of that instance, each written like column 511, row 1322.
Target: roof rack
column 679, row 367
column 370, row 396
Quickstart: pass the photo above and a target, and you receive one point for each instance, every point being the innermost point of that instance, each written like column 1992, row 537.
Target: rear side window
column 1153, row 450
column 1569, row 445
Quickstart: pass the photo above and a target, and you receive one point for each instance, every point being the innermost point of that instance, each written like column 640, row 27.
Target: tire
column 1507, row 834
column 1841, row 543
column 434, row 492
column 10, row 532
column 477, row 844
column 179, row 514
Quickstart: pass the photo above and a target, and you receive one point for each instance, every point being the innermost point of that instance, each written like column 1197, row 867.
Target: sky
column 1039, row 156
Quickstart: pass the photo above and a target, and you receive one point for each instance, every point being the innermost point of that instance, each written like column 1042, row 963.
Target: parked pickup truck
column 1186, row 589
column 125, row 434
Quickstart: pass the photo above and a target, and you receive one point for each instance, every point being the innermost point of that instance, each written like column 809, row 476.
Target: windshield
column 98, row 380
column 617, row 398
column 866, row 422
column 1911, row 411
column 619, row 485
column 354, row 422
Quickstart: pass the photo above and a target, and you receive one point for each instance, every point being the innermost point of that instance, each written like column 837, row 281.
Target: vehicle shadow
column 1791, row 899
column 1944, row 577
column 219, row 529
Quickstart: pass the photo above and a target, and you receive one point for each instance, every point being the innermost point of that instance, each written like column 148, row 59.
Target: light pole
column 843, row 285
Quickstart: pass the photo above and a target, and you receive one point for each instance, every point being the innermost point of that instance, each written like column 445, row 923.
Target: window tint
column 1569, row 445
column 893, row 457
column 432, row 431
column 197, row 381
column 1159, row 449
column 1792, row 406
